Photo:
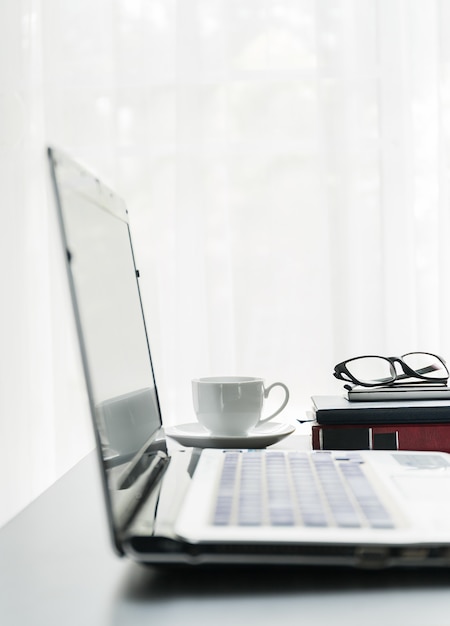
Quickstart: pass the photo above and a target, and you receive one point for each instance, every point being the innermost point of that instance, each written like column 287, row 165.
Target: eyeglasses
column 372, row 371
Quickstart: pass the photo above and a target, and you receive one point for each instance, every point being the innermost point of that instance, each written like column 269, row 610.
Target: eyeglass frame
column 341, row 368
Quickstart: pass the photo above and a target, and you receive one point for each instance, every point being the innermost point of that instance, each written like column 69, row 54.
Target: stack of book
column 415, row 417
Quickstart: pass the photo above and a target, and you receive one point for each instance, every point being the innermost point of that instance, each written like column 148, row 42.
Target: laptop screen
column 111, row 327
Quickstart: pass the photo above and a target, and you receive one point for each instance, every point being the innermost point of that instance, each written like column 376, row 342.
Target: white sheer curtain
column 285, row 164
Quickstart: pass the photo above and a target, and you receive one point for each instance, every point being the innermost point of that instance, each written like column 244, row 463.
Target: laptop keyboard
column 277, row 488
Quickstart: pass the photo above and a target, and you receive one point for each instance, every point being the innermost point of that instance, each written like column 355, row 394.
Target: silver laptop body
column 191, row 506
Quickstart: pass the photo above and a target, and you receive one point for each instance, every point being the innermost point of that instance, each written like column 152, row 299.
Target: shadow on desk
column 263, row 596
column 144, row 583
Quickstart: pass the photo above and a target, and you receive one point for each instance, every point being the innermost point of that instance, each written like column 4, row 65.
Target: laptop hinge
column 143, row 485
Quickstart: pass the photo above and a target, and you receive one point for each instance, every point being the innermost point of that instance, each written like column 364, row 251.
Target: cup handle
column 286, row 400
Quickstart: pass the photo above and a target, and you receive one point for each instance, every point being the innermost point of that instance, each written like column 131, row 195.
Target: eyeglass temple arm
column 421, row 371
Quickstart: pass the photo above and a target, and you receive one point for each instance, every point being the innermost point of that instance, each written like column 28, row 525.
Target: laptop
column 168, row 504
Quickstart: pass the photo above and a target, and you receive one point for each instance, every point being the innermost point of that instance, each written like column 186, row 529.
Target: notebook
column 171, row 505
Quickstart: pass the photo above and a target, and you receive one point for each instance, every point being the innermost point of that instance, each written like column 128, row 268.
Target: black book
column 339, row 410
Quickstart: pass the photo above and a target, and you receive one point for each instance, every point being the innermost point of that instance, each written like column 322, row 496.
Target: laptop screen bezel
column 67, row 172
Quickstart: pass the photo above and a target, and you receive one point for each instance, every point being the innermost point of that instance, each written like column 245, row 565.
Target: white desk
column 57, row 569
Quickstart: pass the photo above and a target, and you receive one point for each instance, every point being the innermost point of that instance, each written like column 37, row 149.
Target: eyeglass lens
column 427, row 365
column 371, row 369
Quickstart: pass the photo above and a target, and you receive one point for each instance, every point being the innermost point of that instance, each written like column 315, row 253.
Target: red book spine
column 431, row 437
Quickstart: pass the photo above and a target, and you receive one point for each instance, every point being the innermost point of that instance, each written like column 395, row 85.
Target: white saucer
column 195, row 436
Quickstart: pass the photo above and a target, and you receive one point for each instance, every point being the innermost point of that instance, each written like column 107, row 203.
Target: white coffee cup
column 232, row 405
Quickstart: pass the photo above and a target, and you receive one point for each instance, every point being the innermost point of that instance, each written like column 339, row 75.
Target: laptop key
column 279, row 497
column 225, row 498
column 367, row 499
column 339, row 502
column 306, row 491
column 250, row 496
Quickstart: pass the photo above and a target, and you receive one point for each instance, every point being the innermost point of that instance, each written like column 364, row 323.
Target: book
column 339, row 410
column 398, row 392
column 431, row 437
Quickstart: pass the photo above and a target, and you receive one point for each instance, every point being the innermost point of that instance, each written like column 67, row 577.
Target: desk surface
column 57, row 567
